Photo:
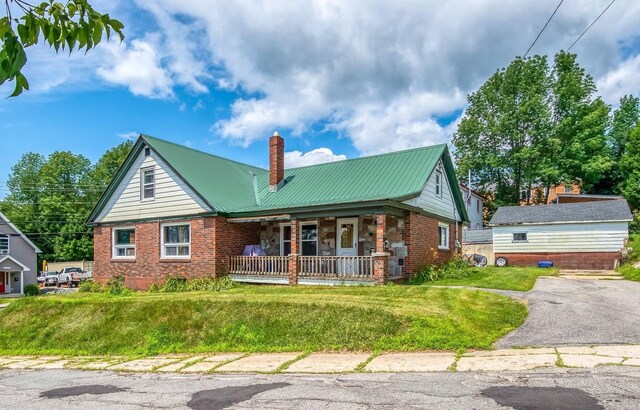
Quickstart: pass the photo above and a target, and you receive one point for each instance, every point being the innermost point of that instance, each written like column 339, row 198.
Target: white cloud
column 294, row 159
column 131, row 135
column 622, row 80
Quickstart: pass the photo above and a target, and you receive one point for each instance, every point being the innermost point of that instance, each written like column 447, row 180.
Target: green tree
column 74, row 25
column 100, row 174
column 630, row 185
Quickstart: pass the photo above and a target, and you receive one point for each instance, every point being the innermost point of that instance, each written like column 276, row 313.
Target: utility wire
column 590, row 25
column 543, row 28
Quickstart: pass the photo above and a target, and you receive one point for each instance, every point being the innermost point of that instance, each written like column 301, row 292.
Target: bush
column 89, row 286
column 455, row 268
column 32, row 290
column 180, row 284
column 634, row 226
column 115, row 286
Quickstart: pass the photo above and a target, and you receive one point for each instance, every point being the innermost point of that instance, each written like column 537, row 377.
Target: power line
column 590, row 25
column 543, row 28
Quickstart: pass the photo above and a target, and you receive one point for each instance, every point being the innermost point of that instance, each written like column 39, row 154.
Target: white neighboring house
column 474, row 203
column 586, row 235
column 18, row 258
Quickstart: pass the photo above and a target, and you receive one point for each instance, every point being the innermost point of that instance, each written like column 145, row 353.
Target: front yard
column 627, row 270
column 506, row 278
column 259, row 319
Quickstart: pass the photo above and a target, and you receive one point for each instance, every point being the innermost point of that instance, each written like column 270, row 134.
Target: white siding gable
column 443, row 205
column 475, row 215
column 172, row 196
column 576, row 237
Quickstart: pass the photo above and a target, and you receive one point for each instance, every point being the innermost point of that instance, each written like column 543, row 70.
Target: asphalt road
column 579, row 312
column 600, row 388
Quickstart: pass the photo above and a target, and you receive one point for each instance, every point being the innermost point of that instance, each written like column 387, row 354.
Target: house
column 571, row 198
column 536, row 194
column 172, row 210
column 583, row 235
column 474, row 203
column 18, row 258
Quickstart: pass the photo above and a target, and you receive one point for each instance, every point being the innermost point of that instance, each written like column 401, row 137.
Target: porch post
column 380, row 257
column 22, row 282
column 294, row 262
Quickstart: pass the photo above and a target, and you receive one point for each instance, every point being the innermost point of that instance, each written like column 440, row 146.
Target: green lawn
column 507, row 278
column 627, row 270
column 259, row 319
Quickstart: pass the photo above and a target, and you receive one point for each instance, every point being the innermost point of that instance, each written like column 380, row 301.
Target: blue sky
column 336, row 79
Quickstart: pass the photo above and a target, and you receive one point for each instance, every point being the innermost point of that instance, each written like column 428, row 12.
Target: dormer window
column 438, row 184
column 4, row 244
column 147, row 184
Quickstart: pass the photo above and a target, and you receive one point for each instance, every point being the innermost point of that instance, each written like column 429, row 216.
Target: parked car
column 49, row 278
column 72, row 277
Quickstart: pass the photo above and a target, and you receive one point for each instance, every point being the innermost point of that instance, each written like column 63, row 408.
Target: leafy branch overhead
column 71, row 26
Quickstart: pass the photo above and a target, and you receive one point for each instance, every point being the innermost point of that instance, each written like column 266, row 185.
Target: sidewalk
column 494, row 360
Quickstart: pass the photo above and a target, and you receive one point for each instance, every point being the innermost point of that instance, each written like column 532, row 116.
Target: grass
column 627, row 270
column 259, row 319
column 506, row 278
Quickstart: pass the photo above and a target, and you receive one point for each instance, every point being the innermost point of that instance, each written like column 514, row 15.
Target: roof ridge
column 372, row 156
column 145, row 136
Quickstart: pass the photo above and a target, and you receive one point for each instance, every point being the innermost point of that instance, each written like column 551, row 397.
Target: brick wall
column 568, row 260
column 212, row 240
column 420, row 235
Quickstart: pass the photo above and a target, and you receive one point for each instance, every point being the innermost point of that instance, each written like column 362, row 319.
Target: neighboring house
column 172, row 210
column 536, row 195
column 18, row 258
column 586, row 235
column 474, row 203
column 572, row 198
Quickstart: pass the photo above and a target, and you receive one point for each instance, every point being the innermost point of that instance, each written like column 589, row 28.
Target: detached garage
column 587, row 235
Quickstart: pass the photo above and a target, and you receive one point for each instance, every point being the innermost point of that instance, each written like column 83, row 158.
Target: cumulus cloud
column 622, row 80
column 294, row 159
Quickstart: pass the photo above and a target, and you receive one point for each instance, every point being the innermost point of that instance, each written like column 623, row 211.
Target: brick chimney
column 276, row 162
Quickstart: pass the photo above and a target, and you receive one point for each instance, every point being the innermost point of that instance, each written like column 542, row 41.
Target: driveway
column 566, row 311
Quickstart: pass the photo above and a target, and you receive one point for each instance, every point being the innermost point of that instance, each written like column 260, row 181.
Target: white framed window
column 285, row 239
column 520, row 237
column 147, row 184
column 443, row 236
column 176, row 241
column 124, row 242
column 4, row 244
column 309, row 239
column 439, row 184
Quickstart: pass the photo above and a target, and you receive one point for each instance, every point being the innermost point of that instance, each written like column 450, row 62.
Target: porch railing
column 259, row 265
column 336, row 266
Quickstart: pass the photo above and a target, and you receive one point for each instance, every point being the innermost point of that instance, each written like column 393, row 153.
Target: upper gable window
column 4, row 244
column 438, row 184
column 147, row 184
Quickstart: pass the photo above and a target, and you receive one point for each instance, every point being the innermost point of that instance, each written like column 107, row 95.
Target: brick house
column 580, row 235
column 171, row 210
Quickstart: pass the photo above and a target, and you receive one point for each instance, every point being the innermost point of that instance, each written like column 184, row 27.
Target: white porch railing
column 336, row 266
column 259, row 265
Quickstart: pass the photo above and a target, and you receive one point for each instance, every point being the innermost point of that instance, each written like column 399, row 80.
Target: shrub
column 174, row 284
column 455, row 268
column 89, row 286
column 115, row 286
column 32, row 290
column 180, row 284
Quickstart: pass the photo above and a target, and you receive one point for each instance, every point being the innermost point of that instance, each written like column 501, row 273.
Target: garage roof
column 599, row 211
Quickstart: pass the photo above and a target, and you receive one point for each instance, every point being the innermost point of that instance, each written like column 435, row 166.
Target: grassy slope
column 629, row 272
column 508, row 278
column 252, row 318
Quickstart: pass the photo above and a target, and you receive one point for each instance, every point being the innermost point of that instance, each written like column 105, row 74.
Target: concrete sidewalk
column 493, row 360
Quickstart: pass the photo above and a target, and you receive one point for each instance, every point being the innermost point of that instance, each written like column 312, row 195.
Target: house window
column 148, row 183
column 176, row 241
column 519, row 237
column 4, row 244
column 568, row 189
column 478, row 206
column 124, row 243
column 147, row 151
column 285, row 239
column 443, row 236
column 439, row 184
column 309, row 239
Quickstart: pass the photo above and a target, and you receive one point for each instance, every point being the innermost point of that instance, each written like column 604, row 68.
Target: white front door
column 347, row 237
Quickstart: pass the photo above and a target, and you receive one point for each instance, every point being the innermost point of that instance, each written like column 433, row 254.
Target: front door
column 347, row 245
column 2, row 280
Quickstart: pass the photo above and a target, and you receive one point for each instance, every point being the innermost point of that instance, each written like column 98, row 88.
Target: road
column 599, row 388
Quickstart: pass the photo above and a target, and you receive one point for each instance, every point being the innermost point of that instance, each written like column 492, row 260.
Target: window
column 124, row 243
column 478, row 206
column 567, row 189
column 443, row 237
column 176, row 241
column 285, row 241
column 147, row 151
column 309, row 239
column 439, row 184
column 148, row 180
column 4, row 244
column 519, row 237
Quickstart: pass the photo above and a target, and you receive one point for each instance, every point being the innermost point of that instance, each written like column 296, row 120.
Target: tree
column 630, row 185
column 74, row 25
column 103, row 171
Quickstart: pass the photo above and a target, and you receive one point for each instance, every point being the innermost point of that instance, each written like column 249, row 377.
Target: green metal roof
column 235, row 189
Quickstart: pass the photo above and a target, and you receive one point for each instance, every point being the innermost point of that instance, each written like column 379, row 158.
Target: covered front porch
column 12, row 276
column 360, row 249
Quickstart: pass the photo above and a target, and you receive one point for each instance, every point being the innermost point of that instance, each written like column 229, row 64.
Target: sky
column 336, row 79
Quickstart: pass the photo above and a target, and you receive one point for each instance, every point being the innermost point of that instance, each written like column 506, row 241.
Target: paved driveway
column 579, row 312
